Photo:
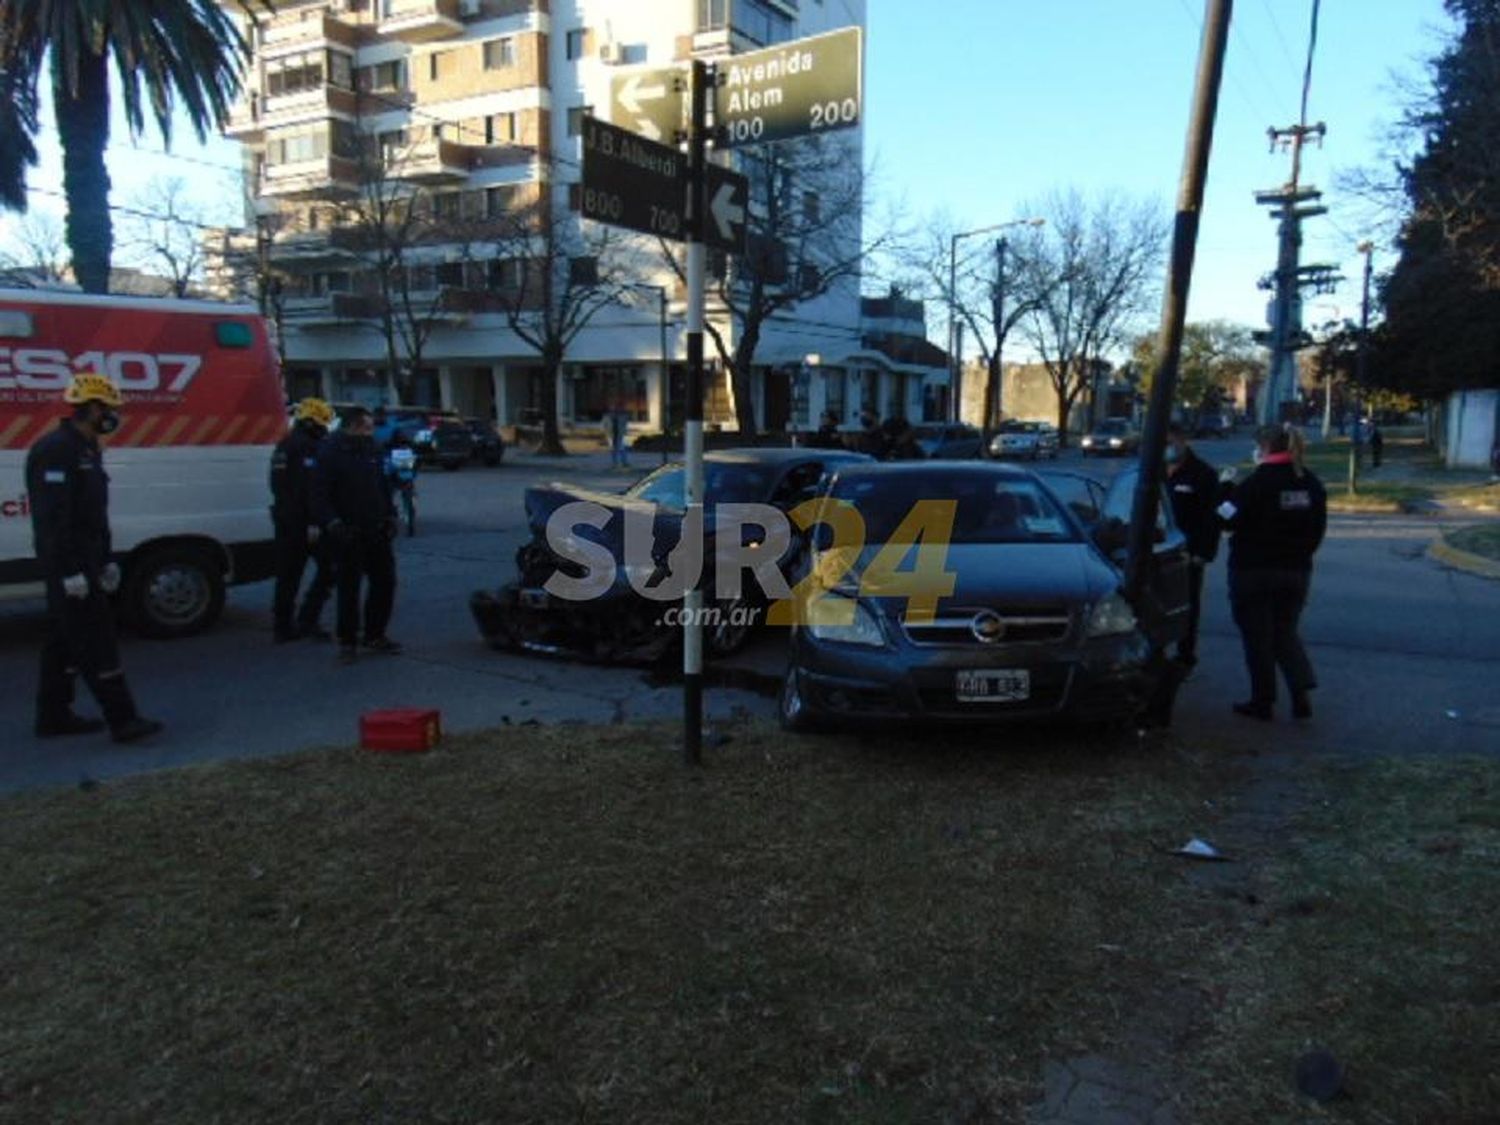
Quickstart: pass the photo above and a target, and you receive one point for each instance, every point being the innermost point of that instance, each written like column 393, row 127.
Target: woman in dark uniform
column 1276, row 517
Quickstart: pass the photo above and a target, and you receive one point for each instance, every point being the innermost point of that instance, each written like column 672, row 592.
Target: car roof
column 780, row 455
column 898, row 469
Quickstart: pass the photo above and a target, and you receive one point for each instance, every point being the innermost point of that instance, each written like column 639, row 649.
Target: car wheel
column 173, row 591
column 792, row 707
column 732, row 630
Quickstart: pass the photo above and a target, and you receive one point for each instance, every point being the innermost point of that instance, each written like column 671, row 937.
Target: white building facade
column 484, row 100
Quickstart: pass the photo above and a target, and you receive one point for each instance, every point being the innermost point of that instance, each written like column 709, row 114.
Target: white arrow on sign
column 632, row 93
column 726, row 212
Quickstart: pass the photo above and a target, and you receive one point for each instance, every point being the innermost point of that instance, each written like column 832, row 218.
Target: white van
column 188, row 466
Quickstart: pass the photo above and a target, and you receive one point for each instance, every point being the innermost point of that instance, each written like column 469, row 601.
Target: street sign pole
column 697, row 280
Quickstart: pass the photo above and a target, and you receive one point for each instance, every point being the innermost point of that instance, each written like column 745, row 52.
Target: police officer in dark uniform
column 297, row 535
column 1195, row 490
column 354, row 506
column 69, row 493
column 1276, row 517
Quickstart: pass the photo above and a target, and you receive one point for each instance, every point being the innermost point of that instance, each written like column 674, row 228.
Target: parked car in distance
column 1035, row 626
column 450, row 443
column 1046, row 438
column 1014, row 440
column 1113, row 437
column 952, row 441
column 489, row 446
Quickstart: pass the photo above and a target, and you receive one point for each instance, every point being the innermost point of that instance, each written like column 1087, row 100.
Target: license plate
column 993, row 685
column 533, row 599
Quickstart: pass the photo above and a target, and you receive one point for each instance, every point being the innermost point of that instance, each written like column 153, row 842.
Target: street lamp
column 955, row 363
column 1367, row 248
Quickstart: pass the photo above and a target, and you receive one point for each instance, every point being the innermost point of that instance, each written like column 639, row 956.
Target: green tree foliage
column 1216, row 356
column 166, row 54
column 1442, row 301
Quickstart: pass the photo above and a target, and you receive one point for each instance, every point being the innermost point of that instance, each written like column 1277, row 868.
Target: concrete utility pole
column 1293, row 204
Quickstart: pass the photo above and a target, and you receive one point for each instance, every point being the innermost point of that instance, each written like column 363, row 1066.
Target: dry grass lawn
column 564, row 925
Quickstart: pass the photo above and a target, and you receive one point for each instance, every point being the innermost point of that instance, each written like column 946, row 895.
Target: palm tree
column 165, row 52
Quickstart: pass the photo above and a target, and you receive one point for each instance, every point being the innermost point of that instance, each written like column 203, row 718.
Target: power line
column 137, row 212
column 1286, row 47
column 1239, row 86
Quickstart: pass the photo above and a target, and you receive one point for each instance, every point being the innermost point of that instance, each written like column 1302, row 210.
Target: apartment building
column 466, row 113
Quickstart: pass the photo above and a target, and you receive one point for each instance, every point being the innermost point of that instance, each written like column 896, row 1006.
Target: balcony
column 316, row 104
column 434, row 161
column 420, row 21
column 312, row 249
column 328, row 177
column 331, row 310
column 304, row 28
column 244, row 124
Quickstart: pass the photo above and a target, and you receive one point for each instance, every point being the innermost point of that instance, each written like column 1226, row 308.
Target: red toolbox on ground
column 401, row 730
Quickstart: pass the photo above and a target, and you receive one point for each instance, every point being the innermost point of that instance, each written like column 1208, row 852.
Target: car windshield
column 1114, row 426
column 722, row 483
column 989, row 509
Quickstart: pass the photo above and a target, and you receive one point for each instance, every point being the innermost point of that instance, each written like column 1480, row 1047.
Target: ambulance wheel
column 173, row 591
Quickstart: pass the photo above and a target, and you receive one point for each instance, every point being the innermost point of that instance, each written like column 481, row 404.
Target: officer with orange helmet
column 69, row 493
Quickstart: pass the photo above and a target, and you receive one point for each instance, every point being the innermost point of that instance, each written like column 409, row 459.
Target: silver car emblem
column 988, row 627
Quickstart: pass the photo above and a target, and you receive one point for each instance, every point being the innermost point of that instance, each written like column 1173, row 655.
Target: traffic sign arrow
column 727, row 213
column 649, row 102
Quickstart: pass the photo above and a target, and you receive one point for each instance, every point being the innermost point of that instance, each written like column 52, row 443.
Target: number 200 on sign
column 828, row 115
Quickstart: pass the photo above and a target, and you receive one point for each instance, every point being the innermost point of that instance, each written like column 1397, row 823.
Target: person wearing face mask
column 297, row 537
column 355, row 507
column 69, row 493
column 1195, row 490
column 1276, row 518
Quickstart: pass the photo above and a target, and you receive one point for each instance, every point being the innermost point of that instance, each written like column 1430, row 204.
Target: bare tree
column 164, row 230
column 1089, row 276
column 988, row 305
column 806, row 239
column 36, row 247
column 396, row 225
column 550, row 275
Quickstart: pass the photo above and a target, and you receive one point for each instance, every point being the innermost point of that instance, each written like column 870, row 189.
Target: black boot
column 54, row 710
column 125, row 722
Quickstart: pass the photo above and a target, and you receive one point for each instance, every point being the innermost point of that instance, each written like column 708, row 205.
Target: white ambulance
column 187, row 467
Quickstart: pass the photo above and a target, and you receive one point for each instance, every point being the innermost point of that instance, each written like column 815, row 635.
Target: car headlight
column 863, row 630
column 1115, row 443
column 1110, row 617
column 1088, row 441
column 423, row 436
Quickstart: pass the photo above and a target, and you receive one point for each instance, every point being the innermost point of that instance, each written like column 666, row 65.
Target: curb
column 1468, row 562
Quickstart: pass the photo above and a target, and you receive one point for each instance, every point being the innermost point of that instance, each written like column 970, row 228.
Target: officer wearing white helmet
column 69, row 493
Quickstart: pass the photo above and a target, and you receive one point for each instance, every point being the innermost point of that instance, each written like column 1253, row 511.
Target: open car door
column 1170, row 573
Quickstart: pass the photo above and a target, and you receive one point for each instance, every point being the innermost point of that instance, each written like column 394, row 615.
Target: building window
column 382, row 77
column 713, row 15
column 500, row 129
column 833, row 394
column 499, row 54
column 447, row 205
column 297, row 148
column 505, row 273
column 811, row 207
column 758, row 21
column 393, row 143
column 432, row 66
column 576, row 114
column 294, row 74
column 451, row 273
column 340, row 71
column 499, row 201
column 576, row 43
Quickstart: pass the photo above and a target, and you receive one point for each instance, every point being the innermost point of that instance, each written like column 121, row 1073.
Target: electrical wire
column 1240, row 89
column 1286, row 47
column 1312, row 47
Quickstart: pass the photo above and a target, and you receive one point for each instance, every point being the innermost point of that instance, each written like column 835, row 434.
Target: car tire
column 726, row 638
column 172, row 591
column 791, row 707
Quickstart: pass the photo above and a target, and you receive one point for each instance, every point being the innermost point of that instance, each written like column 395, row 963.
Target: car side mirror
column 1110, row 535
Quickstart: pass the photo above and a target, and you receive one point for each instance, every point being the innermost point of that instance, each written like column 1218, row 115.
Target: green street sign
column 808, row 86
column 650, row 102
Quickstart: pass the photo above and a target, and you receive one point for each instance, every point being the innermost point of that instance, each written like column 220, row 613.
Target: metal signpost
column 810, row 86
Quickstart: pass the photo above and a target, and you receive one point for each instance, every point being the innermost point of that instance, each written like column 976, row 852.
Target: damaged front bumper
column 520, row 618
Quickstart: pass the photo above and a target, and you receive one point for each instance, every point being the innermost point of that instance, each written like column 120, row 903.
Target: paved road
column 1400, row 642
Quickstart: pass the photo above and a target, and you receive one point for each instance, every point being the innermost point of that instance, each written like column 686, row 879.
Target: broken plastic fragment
column 1200, row 849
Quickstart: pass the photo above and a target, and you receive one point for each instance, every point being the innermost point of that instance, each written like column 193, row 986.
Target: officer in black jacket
column 69, row 493
column 297, row 534
column 353, row 504
column 1277, row 518
column 1195, row 490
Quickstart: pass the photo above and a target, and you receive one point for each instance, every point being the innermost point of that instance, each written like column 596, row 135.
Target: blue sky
column 976, row 106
